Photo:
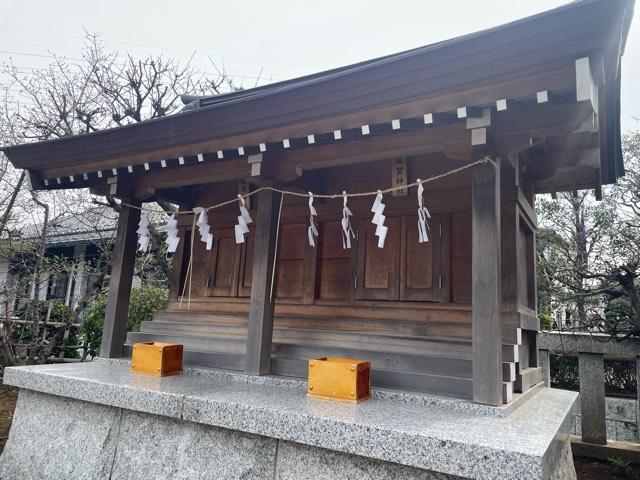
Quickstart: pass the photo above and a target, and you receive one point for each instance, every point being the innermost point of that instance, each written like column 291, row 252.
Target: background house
column 73, row 246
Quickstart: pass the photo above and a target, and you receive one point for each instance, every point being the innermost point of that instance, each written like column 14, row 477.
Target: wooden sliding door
column 229, row 267
column 423, row 265
column 404, row 269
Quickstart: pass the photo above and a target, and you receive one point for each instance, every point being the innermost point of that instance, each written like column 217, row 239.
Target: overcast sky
column 281, row 38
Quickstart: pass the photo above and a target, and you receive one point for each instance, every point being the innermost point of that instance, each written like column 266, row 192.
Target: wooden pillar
column 117, row 310
column 260, row 331
column 486, row 291
column 592, row 397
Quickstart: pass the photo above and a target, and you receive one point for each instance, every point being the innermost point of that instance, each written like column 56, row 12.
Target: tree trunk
column 14, row 195
column 627, row 280
column 35, row 310
column 581, row 261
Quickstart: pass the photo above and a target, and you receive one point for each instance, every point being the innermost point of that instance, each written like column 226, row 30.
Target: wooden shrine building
column 539, row 98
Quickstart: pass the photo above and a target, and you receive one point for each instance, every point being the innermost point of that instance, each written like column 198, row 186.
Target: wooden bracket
column 586, row 88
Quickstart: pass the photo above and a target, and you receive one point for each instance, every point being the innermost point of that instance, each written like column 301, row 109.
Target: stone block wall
column 622, row 419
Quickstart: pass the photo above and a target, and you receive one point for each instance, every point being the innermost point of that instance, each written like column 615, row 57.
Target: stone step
column 436, row 346
column 231, row 350
column 217, row 323
column 381, row 310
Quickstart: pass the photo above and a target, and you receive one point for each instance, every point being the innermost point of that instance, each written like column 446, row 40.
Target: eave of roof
column 586, row 25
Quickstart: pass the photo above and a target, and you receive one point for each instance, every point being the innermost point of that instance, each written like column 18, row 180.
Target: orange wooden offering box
column 156, row 358
column 343, row 379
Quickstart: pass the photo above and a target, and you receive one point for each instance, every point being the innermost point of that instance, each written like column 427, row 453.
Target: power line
column 52, row 51
column 33, row 71
column 199, row 68
column 205, row 72
column 157, row 47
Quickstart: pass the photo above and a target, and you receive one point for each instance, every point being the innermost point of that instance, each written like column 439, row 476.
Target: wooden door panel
column 377, row 268
column 421, row 263
column 200, row 268
column 224, row 264
column 334, row 264
column 418, row 260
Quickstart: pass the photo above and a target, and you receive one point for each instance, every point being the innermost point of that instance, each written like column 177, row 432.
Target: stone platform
column 97, row 420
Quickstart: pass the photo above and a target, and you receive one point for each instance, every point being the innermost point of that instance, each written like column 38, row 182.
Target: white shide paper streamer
column 244, row 219
column 313, row 226
column 204, row 227
column 143, row 232
column 378, row 219
column 172, row 233
column 423, row 215
column 347, row 230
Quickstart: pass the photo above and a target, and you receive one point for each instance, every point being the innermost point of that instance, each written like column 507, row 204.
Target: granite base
column 100, row 421
column 59, row 438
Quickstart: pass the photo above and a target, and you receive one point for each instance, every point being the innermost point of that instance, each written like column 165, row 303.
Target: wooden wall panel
column 523, row 287
column 290, row 261
column 301, row 277
column 461, row 258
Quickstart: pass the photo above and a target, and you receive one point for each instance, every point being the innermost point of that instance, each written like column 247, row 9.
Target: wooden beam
column 208, row 172
column 260, row 330
column 117, row 310
column 368, row 149
column 527, row 208
column 486, row 287
column 35, row 181
column 586, row 88
column 512, row 133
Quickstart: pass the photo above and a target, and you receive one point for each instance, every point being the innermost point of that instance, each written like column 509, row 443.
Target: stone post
column 592, row 397
column 544, row 359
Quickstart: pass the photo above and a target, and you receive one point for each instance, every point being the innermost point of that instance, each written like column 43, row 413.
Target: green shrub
column 546, row 321
column 91, row 325
column 620, row 377
column 145, row 300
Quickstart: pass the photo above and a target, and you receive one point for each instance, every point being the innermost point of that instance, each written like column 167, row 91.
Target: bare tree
column 589, row 251
column 105, row 89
